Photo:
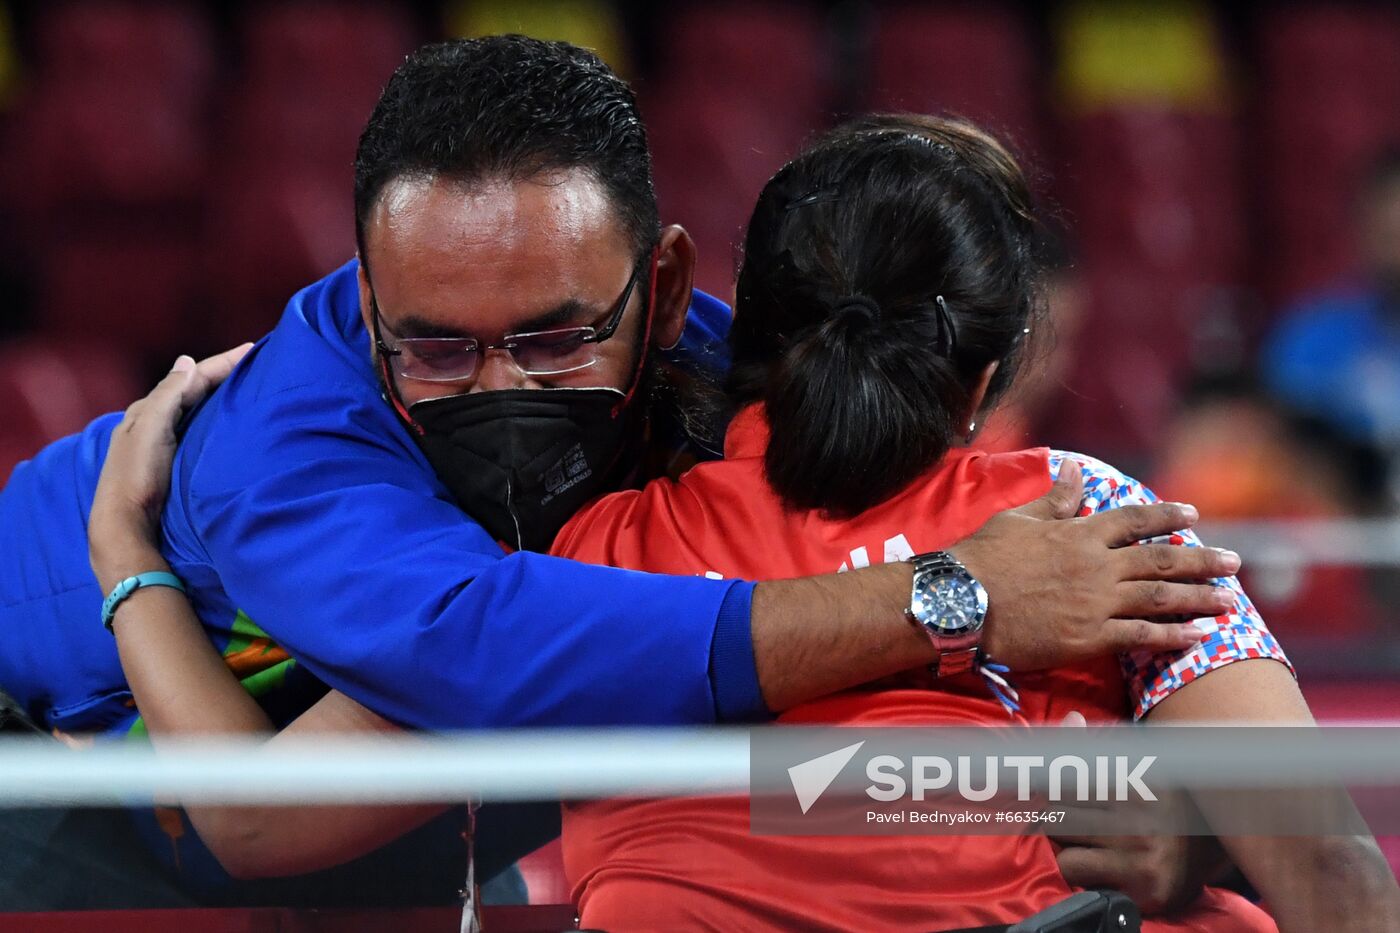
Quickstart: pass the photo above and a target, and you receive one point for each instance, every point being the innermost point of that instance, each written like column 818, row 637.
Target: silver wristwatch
column 950, row 606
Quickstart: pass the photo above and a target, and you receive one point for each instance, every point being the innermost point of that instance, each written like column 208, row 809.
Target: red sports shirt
column 692, row 864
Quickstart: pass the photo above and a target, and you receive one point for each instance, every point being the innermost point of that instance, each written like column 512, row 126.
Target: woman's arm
column 181, row 684
column 1238, row 670
column 1334, row 883
column 183, row 688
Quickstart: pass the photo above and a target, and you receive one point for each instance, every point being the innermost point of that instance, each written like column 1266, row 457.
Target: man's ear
column 675, row 277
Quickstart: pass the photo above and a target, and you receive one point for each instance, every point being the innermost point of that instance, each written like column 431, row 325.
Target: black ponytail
column 849, row 425
column 883, row 270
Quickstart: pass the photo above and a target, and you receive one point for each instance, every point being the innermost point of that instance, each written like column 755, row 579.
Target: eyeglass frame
column 612, row 320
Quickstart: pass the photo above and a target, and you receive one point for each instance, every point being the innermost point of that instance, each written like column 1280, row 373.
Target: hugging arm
column 1337, row 883
column 182, row 685
column 183, row 688
column 804, row 639
column 1061, row 590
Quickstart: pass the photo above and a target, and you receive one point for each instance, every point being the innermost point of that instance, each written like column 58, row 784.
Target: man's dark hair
column 884, row 268
column 508, row 107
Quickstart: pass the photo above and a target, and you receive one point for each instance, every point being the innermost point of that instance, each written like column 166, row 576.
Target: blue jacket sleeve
column 329, row 530
column 733, row 671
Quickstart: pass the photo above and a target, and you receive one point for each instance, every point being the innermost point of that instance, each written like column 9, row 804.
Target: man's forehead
column 445, row 255
column 548, row 215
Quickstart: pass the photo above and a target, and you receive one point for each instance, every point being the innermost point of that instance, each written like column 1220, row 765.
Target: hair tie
column 863, row 305
column 947, row 335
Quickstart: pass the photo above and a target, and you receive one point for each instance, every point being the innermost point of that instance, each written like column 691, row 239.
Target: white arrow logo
column 811, row 778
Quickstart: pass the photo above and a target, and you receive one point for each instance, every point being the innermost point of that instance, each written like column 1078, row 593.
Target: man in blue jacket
column 338, row 506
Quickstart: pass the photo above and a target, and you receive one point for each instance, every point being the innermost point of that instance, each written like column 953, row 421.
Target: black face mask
column 523, row 461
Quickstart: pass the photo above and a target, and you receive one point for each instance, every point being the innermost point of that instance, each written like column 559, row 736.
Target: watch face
column 949, row 602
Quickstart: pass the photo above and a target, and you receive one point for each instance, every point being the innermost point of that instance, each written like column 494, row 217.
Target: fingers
column 209, row 373
column 184, row 386
column 1159, row 599
column 1090, row 866
column 1174, row 562
column 1062, row 501
column 1074, row 719
column 1133, row 523
column 217, row 367
column 1127, row 635
column 163, row 404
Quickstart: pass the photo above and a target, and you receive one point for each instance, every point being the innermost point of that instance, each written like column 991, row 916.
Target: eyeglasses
column 537, row 353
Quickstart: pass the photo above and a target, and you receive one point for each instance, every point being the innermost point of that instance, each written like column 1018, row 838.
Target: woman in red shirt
column 888, row 288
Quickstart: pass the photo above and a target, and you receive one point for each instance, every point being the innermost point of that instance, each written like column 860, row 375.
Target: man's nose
column 499, row 371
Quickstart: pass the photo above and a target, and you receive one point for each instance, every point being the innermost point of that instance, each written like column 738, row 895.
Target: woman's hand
column 124, row 524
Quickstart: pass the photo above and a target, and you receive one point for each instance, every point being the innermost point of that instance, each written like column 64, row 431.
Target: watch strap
column 935, row 561
column 956, row 661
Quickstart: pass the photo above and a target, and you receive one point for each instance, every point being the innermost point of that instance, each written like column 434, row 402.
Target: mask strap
column 646, row 336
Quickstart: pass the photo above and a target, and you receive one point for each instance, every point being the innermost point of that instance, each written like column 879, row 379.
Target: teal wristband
column 130, row 585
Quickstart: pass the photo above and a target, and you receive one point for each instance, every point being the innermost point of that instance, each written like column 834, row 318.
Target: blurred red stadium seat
column 1124, row 388
column 279, row 210
column 1330, row 81
column 270, row 231
column 1158, row 191
column 972, row 60
column 327, row 45
column 743, row 86
column 106, row 164
column 774, row 54
column 1158, row 204
column 160, row 44
column 116, row 111
column 1352, row 612
column 52, row 387
column 311, row 72
column 707, row 179
column 1353, row 700
column 20, row 434
column 128, row 287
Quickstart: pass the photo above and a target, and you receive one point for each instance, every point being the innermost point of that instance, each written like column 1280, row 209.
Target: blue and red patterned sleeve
column 1238, row 634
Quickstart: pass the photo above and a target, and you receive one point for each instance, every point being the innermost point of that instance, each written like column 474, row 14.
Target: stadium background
column 171, row 172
